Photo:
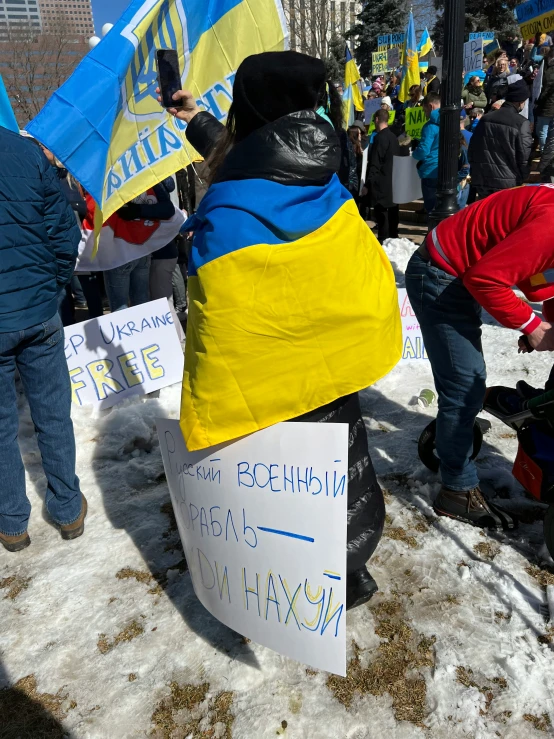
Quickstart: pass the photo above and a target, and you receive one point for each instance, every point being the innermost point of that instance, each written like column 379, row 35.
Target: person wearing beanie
column 500, row 147
column 278, row 330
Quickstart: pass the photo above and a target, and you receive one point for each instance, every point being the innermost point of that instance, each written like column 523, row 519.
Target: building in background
column 312, row 23
column 15, row 14
column 40, row 46
column 78, row 15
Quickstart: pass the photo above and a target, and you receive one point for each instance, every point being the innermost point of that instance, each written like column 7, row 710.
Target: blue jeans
column 38, row 353
column 429, row 192
column 541, row 129
column 129, row 284
column 463, row 195
column 450, row 321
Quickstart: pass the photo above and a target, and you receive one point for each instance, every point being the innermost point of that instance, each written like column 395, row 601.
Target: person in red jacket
column 469, row 262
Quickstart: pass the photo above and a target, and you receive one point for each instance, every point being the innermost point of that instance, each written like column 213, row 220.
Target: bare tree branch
column 34, row 64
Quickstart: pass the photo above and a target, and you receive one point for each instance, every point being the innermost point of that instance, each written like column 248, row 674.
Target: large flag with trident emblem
column 105, row 123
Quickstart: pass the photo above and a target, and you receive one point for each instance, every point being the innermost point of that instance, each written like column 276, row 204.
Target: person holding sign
column 469, row 262
column 278, row 330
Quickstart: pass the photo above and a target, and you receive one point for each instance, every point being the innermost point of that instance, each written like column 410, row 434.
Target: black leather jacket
column 298, row 149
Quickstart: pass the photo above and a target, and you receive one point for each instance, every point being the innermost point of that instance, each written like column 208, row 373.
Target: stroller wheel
column 426, row 446
column 548, row 528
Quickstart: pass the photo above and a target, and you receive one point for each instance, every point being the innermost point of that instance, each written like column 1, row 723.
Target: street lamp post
column 449, row 134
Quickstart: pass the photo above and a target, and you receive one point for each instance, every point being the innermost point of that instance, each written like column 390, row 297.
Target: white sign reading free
column 129, row 352
column 263, row 526
column 413, row 346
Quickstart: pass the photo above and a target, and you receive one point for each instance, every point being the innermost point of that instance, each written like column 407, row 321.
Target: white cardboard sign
column 129, row 352
column 263, row 525
column 473, row 55
column 412, row 341
column 406, row 182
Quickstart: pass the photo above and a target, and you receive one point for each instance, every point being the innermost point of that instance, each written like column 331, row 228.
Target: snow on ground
column 456, row 644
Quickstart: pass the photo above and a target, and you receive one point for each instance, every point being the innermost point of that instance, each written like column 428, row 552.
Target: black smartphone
column 169, row 77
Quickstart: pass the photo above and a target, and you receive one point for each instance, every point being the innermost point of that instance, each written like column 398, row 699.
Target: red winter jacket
column 503, row 241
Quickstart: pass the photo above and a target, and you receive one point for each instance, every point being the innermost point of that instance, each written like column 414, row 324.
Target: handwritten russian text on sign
column 473, row 55
column 263, row 525
column 411, row 331
column 129, row 352
column 415, row 120
column 535, row 16
column 485, row 35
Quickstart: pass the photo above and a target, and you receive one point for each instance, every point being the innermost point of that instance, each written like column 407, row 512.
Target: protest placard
column 263, row 526
column 379, row 62
column 485, row 35
column 406, row 182
column 370, row 108
column 535, row 16
column 413, row 346
column 415, row 120
column 129, row 352
column 473, row 55
column 365, row 157
column 393, row 57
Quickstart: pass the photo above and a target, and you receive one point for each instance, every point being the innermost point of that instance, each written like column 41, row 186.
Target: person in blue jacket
column 427, row 153
column 38, row 250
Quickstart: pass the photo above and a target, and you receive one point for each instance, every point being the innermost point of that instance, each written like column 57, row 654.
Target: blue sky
column 107, row 11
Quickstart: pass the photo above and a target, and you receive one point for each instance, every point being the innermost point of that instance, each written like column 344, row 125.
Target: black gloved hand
column 129, row 212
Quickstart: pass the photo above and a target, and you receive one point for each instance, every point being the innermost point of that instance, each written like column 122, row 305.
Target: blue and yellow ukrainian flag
column 352, row 96
column 105, row 123
column 410, row 73
column 7, row 117
column 425, row 44
column 293, row 304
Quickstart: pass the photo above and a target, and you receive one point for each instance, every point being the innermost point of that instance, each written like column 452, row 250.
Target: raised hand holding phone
column 169, row 77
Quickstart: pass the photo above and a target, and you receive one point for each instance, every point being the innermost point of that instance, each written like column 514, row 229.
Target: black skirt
column 366, row 506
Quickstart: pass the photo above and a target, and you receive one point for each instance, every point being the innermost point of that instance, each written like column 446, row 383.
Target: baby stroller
column 533, row 421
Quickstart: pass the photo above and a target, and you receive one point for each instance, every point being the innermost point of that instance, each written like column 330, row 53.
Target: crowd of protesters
column 293, row 141
column 501, row 127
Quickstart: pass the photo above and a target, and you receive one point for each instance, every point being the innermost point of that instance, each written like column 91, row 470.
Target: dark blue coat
column 38, row 235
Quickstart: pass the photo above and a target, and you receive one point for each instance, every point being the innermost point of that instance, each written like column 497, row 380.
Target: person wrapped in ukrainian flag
column 293, row 303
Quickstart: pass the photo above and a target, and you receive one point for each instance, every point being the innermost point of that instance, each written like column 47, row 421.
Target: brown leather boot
column 15, row 543
column 471, row 506
column 75, row 529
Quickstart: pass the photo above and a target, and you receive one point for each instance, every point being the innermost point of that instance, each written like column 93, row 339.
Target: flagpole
column 451, row 93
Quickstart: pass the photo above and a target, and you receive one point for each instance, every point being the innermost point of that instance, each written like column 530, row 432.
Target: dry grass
column 541, row 575
column 399, row 534
column 129, row 633
column 128, row 573
column 541, row 723
column 180, row 714
column 27, row 714
column 396, row 669
column 501, row 616
column 547, row 637
column 14, row 584
column 489, row 688
column 486, row 550
column 310, row 671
